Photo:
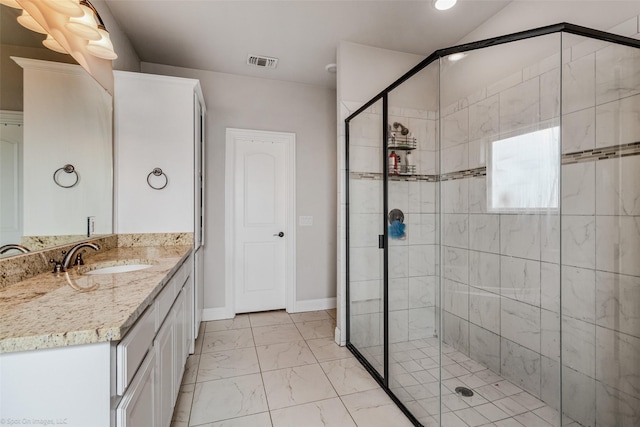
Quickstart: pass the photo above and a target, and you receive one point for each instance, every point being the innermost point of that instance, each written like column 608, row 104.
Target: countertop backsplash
column 21, row 267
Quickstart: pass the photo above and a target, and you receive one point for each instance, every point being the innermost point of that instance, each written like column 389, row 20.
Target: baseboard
column 314, row 304
column 218, row 313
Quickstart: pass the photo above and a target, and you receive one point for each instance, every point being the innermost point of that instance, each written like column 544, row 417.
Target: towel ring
column 157, row 172
column 68, row 169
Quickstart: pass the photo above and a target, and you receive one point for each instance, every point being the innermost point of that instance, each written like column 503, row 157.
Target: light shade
column 27, row 21
column 69, row 8
column 11, row 3
column 84, row 26
column 53, row 44
column 102, row 48
column 444, row 4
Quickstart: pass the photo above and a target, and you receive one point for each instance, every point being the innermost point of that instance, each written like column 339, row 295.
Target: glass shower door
column 364, row 230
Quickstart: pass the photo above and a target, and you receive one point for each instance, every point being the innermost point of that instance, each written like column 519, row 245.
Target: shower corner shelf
column 402, row 143
column 405, row 170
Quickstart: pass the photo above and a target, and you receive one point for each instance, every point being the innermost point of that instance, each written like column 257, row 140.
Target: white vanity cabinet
column 132, row 382
column 159, row 124
column 150, row 398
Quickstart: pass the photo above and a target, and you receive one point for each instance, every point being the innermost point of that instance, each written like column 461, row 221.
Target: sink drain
column 464, row 392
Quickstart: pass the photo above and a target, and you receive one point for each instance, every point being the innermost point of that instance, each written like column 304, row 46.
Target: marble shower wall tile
column 484, row 118
column 617, row 360
column 520, row 106
column 550, row 335
column 617, row 72
column 455, row 230
column 617, row 189
column 520, row 280
column 579, row 241
column 550, row 286
column 520, row 323
column 365, row 159
column 456, row 332
column 484, row 309
column 521, row 366
column 578, row 293
column 477, row 194
column 456, row 298
column 484, row 271
column 520, row 236
column 618, row 122
column 455, row 196
column 455, row 128
column 422, row 323
column 484, row 233
column 618, row 302
column 422, row 291
column 455, row 264
column 618, row 246
column 579, row 345
column 578, row 84
column 484, row 347
column 579, row 130
column 578, row 396
column 365, row 196
column 615, row 408
column 578, row 189
column 550, row 93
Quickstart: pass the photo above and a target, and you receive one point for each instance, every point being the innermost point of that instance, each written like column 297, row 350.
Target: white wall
column 128, row 59
column 309, row 112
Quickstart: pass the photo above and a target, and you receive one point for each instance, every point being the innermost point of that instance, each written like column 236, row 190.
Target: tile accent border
column 613, row 151
column 603, row 153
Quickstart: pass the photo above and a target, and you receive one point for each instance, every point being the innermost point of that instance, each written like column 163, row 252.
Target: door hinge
column 381, row 241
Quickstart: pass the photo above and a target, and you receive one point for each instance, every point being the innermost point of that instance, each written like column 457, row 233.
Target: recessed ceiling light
column 444, row 4
column 331, row 68
column 456, row 56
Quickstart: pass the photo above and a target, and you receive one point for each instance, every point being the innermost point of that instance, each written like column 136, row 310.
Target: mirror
column 52, row 114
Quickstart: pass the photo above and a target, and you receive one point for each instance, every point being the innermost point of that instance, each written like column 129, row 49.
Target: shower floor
column 414, row 373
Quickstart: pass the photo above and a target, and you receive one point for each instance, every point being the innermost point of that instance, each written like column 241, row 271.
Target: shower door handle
column 380, row 241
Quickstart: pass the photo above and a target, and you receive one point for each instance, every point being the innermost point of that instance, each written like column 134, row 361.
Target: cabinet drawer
column 132, row 349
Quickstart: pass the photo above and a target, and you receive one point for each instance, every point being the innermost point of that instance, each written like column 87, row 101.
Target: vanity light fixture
column 82, row 20
column 84, row 26
column 29, row 23
column 444, row 4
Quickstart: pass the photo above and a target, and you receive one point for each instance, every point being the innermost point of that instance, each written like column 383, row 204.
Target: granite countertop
column 55, row 310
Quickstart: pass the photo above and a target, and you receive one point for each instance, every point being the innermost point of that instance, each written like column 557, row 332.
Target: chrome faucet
column 7, row 248
column 66, row 261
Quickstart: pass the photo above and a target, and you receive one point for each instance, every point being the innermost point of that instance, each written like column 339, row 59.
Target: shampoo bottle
column 393, row 163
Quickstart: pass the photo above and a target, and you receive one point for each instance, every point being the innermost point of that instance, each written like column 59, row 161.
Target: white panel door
column 260, row 223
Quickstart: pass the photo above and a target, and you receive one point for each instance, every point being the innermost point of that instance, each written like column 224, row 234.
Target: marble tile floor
column 414, row 373
column 275, row 369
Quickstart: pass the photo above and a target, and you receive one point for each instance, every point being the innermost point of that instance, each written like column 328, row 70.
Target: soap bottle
column 408, row 159
column 393, row 163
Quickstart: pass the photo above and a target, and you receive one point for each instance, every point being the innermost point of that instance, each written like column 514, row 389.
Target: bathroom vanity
column 82, row 349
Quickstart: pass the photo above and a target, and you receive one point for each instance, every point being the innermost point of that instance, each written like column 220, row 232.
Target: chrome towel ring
column 68, row 169
column 157, row 172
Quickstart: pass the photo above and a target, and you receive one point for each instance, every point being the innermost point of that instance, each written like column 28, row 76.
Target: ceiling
column 218, row 35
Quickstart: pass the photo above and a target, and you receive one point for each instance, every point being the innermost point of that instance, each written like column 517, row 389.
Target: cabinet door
column 180, row 350
column 165, row 366
column 138, row 407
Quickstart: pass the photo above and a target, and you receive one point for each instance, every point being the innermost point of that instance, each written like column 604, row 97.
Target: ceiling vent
column 262, row 61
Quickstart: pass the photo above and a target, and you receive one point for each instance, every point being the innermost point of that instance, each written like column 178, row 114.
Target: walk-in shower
column 493, row 232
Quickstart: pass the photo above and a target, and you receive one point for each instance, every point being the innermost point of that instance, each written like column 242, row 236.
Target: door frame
column 289, row 140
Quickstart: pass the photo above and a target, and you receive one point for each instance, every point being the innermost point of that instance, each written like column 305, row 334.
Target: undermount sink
column 125, row 268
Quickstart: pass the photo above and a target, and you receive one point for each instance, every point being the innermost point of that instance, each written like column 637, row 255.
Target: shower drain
column 464, row 392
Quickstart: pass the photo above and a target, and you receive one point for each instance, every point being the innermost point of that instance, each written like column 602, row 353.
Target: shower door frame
column 383, row 95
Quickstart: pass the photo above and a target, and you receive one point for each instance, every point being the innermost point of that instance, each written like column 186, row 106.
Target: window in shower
column 523, row 172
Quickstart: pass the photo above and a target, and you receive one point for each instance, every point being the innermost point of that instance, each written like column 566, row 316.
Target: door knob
column 280, row 234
